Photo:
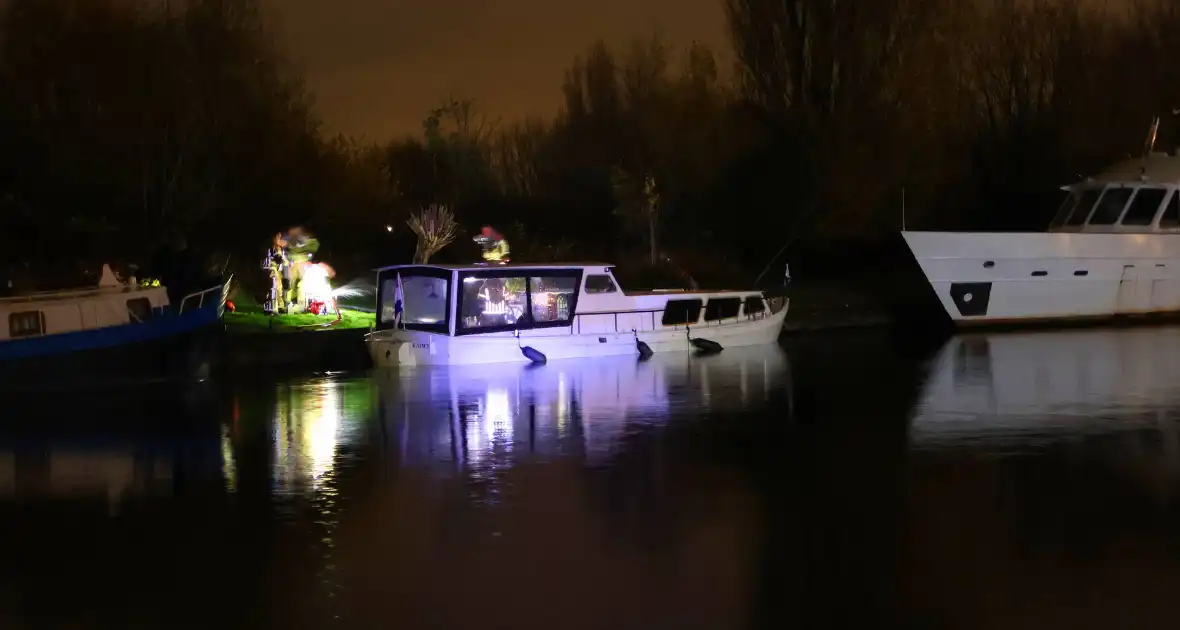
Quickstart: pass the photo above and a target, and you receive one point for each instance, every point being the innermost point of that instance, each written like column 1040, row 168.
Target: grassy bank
column 255, row 321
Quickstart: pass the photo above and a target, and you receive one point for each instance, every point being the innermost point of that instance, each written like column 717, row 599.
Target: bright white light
column 389, row 228
column 316, row 285
column 470, row 280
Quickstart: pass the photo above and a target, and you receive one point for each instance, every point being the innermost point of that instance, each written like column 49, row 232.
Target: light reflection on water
column 487, row 417
column 1019, row 479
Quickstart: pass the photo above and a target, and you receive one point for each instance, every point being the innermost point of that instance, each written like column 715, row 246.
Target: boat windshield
column 416, row 298
column 1075, row 214
column 1067, row 206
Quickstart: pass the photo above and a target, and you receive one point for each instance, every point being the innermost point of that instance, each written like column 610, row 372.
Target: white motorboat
column 477, row 314
column 1112, row 250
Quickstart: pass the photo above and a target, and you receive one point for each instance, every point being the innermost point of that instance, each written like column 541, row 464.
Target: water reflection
column 1044, row 480
column 49, row 452
column 580, row 494
column 313, row 420
column 487, row 417
column 1021, row 387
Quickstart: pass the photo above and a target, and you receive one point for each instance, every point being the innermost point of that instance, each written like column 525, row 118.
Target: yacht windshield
column 1082, row 210
column 1067, row 206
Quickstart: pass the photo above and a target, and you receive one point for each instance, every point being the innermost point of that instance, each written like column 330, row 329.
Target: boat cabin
column 1136, row 196
column 585, row 297
column 52, row 313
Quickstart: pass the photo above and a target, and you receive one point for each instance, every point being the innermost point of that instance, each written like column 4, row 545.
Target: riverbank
column 817, row 308
column 301, row 342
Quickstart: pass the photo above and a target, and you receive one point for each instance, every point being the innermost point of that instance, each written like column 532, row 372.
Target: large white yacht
column 1113, row 249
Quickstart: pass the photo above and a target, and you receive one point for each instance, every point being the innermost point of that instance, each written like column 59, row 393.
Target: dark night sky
column 377, row 66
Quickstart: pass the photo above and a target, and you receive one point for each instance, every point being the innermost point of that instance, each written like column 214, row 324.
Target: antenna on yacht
column 903, row 208
column 1152, row 132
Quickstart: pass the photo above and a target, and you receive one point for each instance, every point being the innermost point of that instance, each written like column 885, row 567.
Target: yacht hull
column 988, row 278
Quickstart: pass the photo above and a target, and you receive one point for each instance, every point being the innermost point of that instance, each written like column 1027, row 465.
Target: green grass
column 251, row 321
column 249, row 317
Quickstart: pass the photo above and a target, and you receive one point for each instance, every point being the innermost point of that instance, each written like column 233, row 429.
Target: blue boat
column 115, row 330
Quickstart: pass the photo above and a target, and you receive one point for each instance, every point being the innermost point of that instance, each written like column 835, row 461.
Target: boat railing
column 199, row 298
column 656, row 324
column 576, row 324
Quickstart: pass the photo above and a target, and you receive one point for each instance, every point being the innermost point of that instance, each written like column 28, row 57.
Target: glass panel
column 1110, row 206
column 491, row 302
column 1171, row 216
column 422, row 300
column 680, row 312
column 1067, row 206
column 754, row 304
column 552, row 297
column 140, row 309
column 722, row 308
column 1085, row 204
column 1143, row 206
column 600, row 284
column 24, row 324
column 388, row 307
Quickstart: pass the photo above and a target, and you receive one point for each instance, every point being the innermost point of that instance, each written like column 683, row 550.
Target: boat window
column 1110, row 206
column 140, row 309
column 414, row 298
column 722, row 308
column 754, row 304
column 551, row 298
column 680, row 312
column 1143, row 206
column 1085, row 204
column 600, row 283
column 26, row 324
column 503, row 300
column 1171, row 216
column 496, row 302
column 1067, row 206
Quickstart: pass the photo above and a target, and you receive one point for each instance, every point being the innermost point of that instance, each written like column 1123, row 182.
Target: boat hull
column 396, row 348
column 991, row 279
column 169, row 346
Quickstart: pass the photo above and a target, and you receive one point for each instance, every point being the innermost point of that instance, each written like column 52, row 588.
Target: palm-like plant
column 436, row 227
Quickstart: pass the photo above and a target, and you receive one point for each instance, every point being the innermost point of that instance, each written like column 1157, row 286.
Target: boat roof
column 67, row 294
column 487, row 266
column 1159, row 168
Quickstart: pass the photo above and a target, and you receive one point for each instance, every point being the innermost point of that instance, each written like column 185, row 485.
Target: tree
column 823, row 78
column 436, row 228
column 638, row 201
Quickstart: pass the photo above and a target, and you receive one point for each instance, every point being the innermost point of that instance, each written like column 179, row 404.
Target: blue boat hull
column 169, row 345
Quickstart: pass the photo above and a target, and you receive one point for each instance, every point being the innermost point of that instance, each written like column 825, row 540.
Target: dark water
column 852, row 480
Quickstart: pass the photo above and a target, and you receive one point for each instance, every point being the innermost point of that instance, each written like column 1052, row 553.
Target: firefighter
column 301, row 247
column 495, row 247
column 276, row 264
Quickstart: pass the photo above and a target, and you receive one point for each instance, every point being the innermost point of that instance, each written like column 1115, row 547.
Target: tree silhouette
column 436, row 228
